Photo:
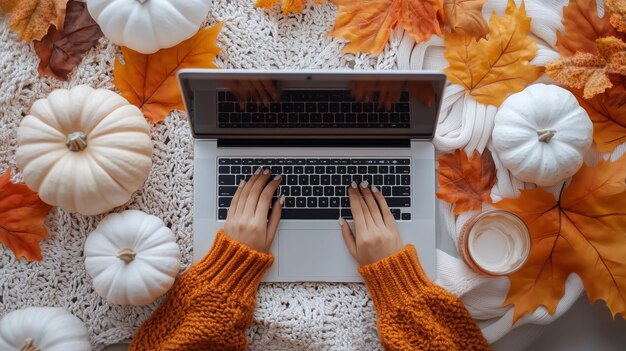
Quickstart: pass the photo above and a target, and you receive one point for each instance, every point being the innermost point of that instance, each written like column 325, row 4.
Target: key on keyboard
column 316, row 188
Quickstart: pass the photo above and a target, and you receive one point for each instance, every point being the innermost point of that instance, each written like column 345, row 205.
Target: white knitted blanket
column 309, row 316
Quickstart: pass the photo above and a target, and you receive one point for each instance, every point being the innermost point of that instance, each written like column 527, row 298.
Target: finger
column 371, row 204
column 253, row 92
column 384, row 92
column 357, row 90
column 272, row 224
column 356, row 208
column 261, row 93
column 265, row 199
column 243, row 199
column 233, row 204
column 348, row 237
column 270, row 89
column 255, row 193
column 395, row 91
column 390, row 221
column 367, row 216
column 239, row 92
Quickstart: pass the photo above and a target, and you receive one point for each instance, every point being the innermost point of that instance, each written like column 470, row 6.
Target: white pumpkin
column 43, row 329
column 541, row 134
column 84, row 150
column 132, row 257
column 147, row 26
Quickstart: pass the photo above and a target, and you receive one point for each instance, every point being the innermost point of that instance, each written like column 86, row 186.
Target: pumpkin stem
column 127, row 255
column 76, row 141
column 30, row 346
column 545, row 135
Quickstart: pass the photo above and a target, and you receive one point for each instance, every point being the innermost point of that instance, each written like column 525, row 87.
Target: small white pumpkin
column 132, row 257
column 147, row 26
column 541, row 134
column 84, row 150
column 43, row 329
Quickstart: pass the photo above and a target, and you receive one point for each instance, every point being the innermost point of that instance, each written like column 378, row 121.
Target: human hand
column 260, row 91
column 247, row 221
column 389, row 92
column 376, row 236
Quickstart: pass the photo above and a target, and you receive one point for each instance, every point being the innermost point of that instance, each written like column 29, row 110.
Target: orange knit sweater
column 211, row 305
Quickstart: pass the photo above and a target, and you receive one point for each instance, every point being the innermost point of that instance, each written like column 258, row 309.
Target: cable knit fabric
column 211, row 305
column 413, row 312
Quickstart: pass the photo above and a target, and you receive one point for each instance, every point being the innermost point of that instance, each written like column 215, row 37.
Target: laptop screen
column 229, row 104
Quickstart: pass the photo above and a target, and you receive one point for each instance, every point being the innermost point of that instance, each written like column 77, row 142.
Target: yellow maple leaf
column 617, row 8
column 466, row 16
column 149, row 81
column 30, row 19
column 491, row 69
column 581, row 231
column 367, row 24
column 588, row 71
column 287, row 6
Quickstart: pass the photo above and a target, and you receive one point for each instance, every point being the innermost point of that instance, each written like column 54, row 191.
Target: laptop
column 320, row 130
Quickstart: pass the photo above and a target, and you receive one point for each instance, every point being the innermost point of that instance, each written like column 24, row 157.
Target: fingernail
column 242, row 182
column 266, row 171
column 258, row 170
column 341, row 221
column 278, row 177
column 353, row 185
column 374, row 189
column 282, row 200
column 364, row 184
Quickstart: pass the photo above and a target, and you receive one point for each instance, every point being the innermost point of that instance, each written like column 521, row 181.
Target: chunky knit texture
column 211, row 305
column 413, row 312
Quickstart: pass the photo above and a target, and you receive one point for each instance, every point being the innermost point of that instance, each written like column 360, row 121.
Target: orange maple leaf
column 582, row 27
column 617, row 9
column 367, row 24
column 582, row 232
column 22, row 214
column 588, row 71
column 149, row 81
column 466, row 16
column 608, row 113
column 287, row 6
column 30, row 19
column 464, row 182
column 491, row 69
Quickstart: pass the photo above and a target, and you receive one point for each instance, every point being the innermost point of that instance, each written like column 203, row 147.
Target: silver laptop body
column 313, row 249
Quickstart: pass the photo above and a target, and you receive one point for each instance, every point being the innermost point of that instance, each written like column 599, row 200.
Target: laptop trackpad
column 314, row 254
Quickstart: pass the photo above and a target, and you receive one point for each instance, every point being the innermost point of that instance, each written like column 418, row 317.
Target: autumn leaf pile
column 593, row 66
column 582, row 230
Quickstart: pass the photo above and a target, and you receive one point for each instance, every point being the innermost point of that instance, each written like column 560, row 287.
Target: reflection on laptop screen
column 359, row 105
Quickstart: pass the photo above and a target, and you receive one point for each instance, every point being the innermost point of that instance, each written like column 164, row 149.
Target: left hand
column 247, row 216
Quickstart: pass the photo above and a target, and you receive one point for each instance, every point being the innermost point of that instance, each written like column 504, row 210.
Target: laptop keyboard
column 316, row 188
column 313, row 109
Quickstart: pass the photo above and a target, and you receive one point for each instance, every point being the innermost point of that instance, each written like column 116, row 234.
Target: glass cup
column 494, row 243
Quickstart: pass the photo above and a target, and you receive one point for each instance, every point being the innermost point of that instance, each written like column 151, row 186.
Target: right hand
column 376, row 234
column 260, row 91
column 246, row 221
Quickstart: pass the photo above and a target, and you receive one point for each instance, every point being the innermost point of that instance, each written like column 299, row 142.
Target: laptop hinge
column 359, row 143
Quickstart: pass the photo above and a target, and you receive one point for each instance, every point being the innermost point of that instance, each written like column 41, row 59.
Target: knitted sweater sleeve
column 413, row 312
column 211, row 305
